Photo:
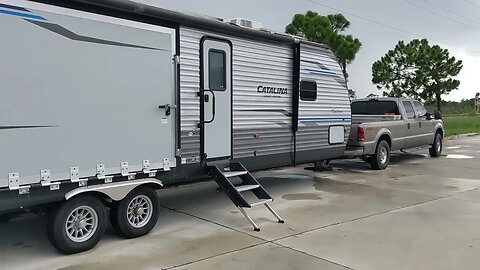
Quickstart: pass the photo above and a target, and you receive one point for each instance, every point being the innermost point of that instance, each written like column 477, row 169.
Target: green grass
column 461, row 125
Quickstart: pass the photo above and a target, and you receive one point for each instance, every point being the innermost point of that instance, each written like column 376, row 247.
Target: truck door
column 413, row 130
column 426, row 127
column 216, row 98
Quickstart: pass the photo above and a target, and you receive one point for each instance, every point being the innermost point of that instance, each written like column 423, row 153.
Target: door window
column 409, row 109
column 217, row 70
column 308, row 90
column 421, row 111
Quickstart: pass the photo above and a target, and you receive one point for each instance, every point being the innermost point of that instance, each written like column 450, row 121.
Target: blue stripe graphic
column 13, row 7
column 23, row 15
column 321, row 72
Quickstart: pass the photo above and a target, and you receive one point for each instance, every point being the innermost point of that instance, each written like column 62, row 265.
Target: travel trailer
column 104, row 101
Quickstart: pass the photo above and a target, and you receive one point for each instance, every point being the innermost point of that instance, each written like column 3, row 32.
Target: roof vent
column 247, row 23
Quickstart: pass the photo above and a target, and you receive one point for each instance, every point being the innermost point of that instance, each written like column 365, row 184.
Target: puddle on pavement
column 291, row 176
column 352, row 189
column 302, row 197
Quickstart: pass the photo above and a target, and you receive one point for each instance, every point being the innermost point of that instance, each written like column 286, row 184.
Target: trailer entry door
column 216, row 98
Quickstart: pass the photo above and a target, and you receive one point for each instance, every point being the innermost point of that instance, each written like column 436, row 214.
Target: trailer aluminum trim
column 115, row 191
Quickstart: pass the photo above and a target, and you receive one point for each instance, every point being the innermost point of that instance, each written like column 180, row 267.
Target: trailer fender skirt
column 115, row 191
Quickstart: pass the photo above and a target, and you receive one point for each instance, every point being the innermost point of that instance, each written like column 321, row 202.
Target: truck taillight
column 360, row 134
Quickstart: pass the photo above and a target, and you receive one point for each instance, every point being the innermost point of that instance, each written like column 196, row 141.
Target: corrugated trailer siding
column 332, row 106
column 254, row 64
column 261, row 64
column 189, row 100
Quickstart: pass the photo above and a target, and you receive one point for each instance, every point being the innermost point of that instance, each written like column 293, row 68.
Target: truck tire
column 381, row 159
column 137, row 214
column 437, row 146
column 77, row 225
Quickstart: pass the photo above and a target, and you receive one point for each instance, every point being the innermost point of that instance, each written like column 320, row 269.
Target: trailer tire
column 137, row 214
column 437, row 146
column 381, row 159
column 77, row 225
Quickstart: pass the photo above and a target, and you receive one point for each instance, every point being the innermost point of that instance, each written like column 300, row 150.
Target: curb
column 461, row 136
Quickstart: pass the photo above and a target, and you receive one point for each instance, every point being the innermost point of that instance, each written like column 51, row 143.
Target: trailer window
column 308, row 90
column 409, row 109
column 217, row 70
column 375, row 107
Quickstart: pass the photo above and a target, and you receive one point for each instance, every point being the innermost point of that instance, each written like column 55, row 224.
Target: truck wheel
column 381, row 159
column 137, row 214
column 437, row 146
column 77, row 225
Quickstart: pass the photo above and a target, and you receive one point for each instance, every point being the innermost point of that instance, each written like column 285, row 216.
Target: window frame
column 224, row 69
column 301, row 90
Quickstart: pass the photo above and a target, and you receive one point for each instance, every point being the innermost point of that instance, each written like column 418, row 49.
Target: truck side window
column 409, row 109
column 421, row 111
column 308, row 90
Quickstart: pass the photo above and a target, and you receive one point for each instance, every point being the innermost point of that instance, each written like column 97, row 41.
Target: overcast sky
column 379, row 24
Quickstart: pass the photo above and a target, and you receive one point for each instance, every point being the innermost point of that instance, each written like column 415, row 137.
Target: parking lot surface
column 420, row 213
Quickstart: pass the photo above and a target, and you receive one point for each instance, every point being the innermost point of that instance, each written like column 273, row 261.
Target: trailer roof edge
column 161, row 14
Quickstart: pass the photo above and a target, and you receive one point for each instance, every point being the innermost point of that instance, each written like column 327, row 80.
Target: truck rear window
column 375, row 107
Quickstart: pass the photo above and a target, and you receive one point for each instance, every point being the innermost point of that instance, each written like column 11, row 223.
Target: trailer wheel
column 137, row 214
column 77, row 225
column 436, row 149
column 381, row 159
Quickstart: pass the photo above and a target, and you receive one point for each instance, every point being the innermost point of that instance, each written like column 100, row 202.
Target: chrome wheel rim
column 383, row 155
column 81, row 224
column 139, row 211
column 439, row 145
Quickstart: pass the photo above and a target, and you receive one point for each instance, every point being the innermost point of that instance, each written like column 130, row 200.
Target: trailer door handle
column 206, row 99
column 167, row 107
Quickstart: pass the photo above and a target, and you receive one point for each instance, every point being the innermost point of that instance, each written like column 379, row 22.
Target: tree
column 417, row 70
column 327, row 30
column 352, row 94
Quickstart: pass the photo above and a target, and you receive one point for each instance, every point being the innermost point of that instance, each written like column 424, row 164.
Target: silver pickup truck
column 382, row 125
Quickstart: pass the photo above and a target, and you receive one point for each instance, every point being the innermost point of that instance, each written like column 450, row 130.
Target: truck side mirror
column 428, row 116
column 438, row 115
